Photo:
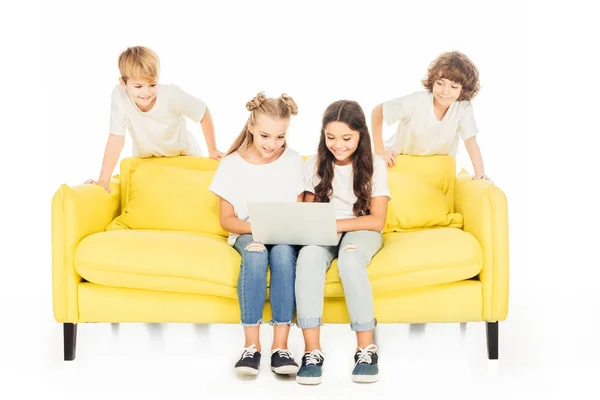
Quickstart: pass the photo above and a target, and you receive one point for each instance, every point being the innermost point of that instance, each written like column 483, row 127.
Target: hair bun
column 256, row 101
column 290, row 103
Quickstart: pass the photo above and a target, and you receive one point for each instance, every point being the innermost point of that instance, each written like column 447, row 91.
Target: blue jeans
column 354, row 254
column 252, row 283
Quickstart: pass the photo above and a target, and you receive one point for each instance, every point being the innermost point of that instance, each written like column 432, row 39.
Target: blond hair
column 278, row 108
column 457, row 67
column 139, row 62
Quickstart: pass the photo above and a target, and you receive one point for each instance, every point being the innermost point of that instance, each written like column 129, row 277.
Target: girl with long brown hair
column 347, row 173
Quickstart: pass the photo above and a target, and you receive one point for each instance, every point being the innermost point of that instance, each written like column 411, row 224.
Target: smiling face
column 446, row 91
column 268, row 135
column 142, row 92
column 341, row 141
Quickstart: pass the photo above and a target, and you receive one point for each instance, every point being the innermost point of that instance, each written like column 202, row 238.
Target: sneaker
column 249, row 361
column 366, row 369
column 311, row 371
column 283, row 363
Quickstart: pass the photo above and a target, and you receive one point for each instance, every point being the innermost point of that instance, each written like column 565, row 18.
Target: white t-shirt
column 240, row 182
column 343, row 196
column 161, row 131
column 419, row 131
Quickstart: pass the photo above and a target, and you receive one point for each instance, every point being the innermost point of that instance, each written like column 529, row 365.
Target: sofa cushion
column 185, row 262
column 160, row 260
column 167, row 197
column 130, row 164
column 416, row 259
column 417, row 203
column 438, row 170
column 420, row 185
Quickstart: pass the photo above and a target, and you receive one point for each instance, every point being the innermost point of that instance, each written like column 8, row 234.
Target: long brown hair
column 352, row 114
column 281, row 108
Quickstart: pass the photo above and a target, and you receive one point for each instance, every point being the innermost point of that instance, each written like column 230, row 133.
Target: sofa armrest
column 77, row 212
column 485, row 211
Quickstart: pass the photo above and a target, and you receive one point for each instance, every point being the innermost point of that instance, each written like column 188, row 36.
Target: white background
column 536, row 112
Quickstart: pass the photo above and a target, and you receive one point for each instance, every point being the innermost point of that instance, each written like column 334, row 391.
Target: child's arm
column 196, row 110
column 475, row 155
column 309, row 197
column 377, row 130
column 229, row 221
column 468, row 130
column 372, row 222
column 114, row 146
column 209, row 135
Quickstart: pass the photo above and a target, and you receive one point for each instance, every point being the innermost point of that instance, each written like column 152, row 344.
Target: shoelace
column 314, row 357
column 283, row 353
column 249, row 351
column 364, row 355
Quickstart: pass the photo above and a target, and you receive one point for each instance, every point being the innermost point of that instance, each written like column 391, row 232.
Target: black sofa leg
column 70, row 340
column 492, row 340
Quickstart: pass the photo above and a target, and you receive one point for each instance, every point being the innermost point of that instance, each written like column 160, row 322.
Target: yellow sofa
column 152, row 250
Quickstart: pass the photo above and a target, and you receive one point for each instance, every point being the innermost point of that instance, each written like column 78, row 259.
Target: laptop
column 293, row 223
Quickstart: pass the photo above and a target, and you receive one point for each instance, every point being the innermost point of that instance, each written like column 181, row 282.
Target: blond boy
column 153, row 113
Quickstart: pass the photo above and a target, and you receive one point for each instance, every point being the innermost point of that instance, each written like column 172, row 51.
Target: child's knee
column 311, row 261
column 255, row 256
column 350, row 259
column 350, row 255
column 350, row 247
column 255, row 247
column 312, row 254
column 283, row 252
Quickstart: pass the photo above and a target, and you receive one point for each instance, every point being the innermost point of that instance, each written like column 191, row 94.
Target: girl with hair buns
column 260, row 167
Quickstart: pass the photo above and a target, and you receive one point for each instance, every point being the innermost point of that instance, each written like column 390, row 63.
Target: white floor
column 159, row 361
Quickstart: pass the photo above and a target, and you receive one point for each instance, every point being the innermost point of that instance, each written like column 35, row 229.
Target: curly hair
column 457, row 67
column 350, row 113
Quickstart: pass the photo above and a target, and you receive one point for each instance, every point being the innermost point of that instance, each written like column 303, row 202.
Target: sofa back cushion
column 168, row 194
column 171, row 193
column 422, row 189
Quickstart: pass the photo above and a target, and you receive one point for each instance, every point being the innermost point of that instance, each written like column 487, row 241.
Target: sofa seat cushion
column 416, row 259
column 160, row 260
column 187, row 262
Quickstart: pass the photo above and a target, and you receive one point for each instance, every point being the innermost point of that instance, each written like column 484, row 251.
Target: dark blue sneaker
column 311, row 371
column 282, row 362
column 366, row 369
column 249, row 361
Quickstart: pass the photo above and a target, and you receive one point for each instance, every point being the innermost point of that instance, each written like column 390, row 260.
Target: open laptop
column 293, row 223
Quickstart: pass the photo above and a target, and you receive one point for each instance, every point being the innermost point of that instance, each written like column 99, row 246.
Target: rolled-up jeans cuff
column 260, row 321
column 307, row 323
column 363, row 326
column 273, row 322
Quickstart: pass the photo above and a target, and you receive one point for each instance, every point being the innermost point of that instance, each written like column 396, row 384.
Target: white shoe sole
column 246, row 371
column 365, row 378
column 286, row 370
column 309, row 380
